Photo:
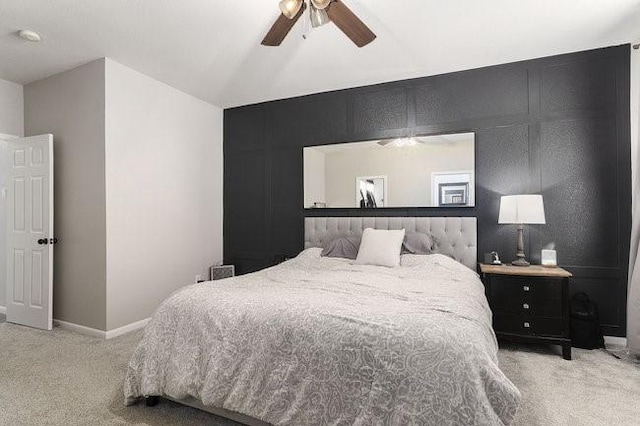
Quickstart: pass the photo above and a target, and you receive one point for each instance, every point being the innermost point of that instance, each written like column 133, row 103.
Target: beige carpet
column 594, row 388
column 63, row 378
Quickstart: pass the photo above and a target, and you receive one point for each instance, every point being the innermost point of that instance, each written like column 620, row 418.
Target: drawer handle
column 527, row 325
column 526, row 288
column 525, row 306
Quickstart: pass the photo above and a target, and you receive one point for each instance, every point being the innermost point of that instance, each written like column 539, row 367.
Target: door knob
column 43, row 241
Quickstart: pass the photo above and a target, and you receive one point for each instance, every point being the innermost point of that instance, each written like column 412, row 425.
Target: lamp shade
column 521, row 209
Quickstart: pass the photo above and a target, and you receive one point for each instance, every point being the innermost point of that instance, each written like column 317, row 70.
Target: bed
column 319, row 340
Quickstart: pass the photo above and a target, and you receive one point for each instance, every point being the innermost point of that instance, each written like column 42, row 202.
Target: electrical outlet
column 199, row 279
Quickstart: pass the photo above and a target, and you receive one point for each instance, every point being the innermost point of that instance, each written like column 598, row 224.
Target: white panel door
column 30, row 231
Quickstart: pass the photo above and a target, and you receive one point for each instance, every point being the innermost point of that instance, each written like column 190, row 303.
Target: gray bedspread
column 320, row 341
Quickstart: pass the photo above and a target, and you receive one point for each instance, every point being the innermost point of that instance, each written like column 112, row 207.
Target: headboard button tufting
column 322, row 230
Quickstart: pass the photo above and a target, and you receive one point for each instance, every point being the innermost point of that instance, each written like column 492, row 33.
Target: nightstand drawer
column 521, row 324
column 525, row 306
column 529, row 288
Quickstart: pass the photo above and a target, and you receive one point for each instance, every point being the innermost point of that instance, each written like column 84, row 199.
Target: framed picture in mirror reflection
column 453, row 194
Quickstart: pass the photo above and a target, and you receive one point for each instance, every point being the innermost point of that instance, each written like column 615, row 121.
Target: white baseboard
column 101, row 334
column 87, row 331
column 134, row 326
column 3, row 310
column 616, row 341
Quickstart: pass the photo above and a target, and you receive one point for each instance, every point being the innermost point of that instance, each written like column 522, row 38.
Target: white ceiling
column 211, row 48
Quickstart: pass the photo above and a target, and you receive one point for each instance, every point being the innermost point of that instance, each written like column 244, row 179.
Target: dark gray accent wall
column 557, row 126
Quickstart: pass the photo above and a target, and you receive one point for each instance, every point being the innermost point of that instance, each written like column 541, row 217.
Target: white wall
column 164, row 192
column 314, row 178
column 70, row 105
column 11, row 123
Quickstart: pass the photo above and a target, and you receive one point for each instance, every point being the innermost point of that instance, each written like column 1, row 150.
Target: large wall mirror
column 421, row 171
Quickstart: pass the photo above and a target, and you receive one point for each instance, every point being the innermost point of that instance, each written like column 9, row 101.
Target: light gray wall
column 164, row 192
column 11, row 108
column 408, row 171
column 11, row 123
column 71, row 106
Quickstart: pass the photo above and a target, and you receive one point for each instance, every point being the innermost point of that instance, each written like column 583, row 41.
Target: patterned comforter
column 321, row 341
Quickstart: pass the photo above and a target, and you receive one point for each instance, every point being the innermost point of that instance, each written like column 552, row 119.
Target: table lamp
column 521, row 210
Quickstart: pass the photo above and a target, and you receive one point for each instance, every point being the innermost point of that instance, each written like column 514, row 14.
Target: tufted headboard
column 455, row 236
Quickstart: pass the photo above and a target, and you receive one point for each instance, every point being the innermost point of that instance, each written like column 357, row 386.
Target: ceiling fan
column 321, row 12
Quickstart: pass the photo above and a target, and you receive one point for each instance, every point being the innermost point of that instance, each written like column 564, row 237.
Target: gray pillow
column 417, row 243
column 345, row 247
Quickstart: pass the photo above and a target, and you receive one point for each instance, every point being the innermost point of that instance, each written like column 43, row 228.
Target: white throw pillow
column 380, row 247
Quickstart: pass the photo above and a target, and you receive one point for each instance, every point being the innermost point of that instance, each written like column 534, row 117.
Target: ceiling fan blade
column 281, row 28
column 350, row 24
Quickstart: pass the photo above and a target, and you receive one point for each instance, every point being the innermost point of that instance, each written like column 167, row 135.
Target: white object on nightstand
column 549, row 258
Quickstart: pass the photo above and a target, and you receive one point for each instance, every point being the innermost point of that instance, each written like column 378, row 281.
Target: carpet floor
column 64, row 378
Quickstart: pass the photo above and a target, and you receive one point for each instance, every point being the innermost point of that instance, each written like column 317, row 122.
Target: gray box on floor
column 221, row 272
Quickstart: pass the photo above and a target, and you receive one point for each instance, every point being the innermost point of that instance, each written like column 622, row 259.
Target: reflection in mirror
column 370, row 191
column 422, row 171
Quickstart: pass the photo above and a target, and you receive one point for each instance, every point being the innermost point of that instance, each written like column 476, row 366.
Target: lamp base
column 520, row 262
column 520, row 251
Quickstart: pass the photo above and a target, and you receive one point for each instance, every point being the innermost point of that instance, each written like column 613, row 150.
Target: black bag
column 585, row 323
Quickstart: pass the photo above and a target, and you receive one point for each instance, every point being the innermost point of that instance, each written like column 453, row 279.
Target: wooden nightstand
column 529, row 303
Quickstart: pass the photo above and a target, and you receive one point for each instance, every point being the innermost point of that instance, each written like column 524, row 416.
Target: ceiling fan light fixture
column 319, row 17
column 320, row 4
column 403, row 142
column 290, row 8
